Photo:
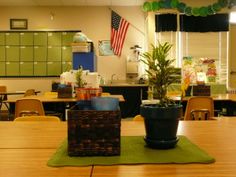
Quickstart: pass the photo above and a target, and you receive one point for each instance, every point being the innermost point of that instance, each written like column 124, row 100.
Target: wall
column 93, row 21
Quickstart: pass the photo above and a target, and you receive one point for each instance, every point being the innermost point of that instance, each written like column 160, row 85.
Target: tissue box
column 93, row 133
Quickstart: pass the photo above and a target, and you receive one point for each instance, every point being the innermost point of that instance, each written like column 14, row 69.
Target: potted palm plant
column 162, row 118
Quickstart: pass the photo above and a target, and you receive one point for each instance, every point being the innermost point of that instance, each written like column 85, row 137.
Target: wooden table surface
column 53, row 98
column 25, row 148
column 216, row 97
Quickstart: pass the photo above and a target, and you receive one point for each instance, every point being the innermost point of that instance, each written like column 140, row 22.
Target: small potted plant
column 81, row 93
column 161, row 119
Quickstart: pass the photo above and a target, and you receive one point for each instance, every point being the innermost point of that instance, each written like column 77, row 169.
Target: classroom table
column 216, row 97
column 53, row 103
column 54, row 98
column 25, row 148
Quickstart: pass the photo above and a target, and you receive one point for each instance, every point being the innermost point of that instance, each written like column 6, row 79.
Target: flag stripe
column 118, row 33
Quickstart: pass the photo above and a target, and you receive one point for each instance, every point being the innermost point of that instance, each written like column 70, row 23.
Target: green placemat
column 134, row 151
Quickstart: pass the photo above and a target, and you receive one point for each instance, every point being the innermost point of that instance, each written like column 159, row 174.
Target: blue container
column 105, row 103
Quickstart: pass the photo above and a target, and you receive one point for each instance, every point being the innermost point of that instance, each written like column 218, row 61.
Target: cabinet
column 86, row 60
column 35, row 53
column 133, row 96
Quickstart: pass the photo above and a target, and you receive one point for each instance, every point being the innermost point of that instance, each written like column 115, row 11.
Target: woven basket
column 93, row 133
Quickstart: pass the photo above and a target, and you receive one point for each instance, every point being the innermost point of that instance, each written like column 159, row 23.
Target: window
column 200, row 51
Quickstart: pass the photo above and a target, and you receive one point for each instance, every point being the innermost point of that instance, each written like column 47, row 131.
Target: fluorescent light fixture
column 232, row 17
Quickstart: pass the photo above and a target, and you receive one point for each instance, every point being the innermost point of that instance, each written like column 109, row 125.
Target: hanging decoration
column 186, row 9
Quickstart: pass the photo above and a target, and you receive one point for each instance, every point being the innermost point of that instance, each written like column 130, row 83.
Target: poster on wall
column 104, row 47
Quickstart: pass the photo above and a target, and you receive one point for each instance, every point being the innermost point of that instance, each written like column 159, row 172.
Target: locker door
column 12, row 68
column 12, row 38
column 54, row 38
column 2, row 68
column 53, row 68
column 2, row 38
column 40, row 68
column 26, row 38
column 12, row 53
column 67, row 38
column 26, row 53
column 40, row 38
column 2, row 53
column 26, row 68
column 40, row 53
column 54, row 53
column 66, row 53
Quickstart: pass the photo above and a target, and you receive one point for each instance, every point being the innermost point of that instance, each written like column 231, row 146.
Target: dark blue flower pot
column 161, row 125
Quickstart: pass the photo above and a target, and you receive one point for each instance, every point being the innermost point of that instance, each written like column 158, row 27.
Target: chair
column 138, row 118
column 38, row 118
column 29, row 92
column 199, row 108
column 52, row 109
column 3, row 99
column 24, row 107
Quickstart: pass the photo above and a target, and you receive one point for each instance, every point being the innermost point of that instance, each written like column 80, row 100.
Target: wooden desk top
column 53, row 98
column 25, row 148
column 216, row 97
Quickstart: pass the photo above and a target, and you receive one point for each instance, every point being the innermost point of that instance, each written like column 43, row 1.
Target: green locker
column 54, row 38
column 67, row 38
column 2, row 69
column 12, row 38
column 40, row 68
column 12, row 68
column 40, row 53
column 26, row 53
column 2, row 53
column 40, row 38
column 54, row 53
column 66, row 53
column 54, row 68
column 26, row 68
column 66, row 66
column 12, row 53
column 2, row 38
column 26, row 38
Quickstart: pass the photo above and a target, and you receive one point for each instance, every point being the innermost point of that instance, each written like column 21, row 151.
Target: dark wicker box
column 93, row 133
column 201, row 90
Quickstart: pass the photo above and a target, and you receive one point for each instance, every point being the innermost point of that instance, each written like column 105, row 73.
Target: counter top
column 124, row 85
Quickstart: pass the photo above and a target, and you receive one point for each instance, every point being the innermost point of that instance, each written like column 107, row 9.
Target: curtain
column 211, row 23
column 166, row 22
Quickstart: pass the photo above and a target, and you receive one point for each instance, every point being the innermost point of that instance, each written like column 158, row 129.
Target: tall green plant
column 160, row 71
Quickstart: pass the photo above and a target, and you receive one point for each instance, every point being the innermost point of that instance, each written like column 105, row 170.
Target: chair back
column 38, row 118
column 3, row 89
column 29, row 92
column 199, row 108
column 26, row 106
column 138, row 118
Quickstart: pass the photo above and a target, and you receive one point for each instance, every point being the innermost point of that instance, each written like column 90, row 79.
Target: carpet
column 134, row 151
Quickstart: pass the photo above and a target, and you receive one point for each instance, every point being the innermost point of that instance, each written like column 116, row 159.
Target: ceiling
column 71, row 2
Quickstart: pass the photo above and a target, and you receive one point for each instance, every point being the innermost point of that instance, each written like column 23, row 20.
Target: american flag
column 119, row 27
